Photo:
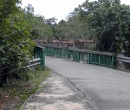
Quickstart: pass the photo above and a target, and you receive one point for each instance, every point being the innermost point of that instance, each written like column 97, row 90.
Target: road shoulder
column 56, row 93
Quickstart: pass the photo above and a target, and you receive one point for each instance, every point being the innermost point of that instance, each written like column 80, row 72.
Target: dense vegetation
column 107, row 22
column 13, row 96
column 18, row 28
column 14, row 39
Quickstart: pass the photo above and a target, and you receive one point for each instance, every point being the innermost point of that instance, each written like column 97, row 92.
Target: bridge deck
column 108, row 88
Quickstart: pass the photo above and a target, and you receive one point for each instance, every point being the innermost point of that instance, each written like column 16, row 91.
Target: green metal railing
column 88, row 56
column 40, row 53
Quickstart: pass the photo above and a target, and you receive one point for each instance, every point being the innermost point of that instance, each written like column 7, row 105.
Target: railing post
column 68, row 53
column 112, row 62
column 40, row 53
column 78, row 56
column 99, row 59
column 88, row 58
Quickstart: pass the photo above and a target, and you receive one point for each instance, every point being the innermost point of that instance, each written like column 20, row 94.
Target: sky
column 56, row 8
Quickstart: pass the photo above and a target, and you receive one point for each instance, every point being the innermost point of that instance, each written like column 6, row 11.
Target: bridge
column 104, row 87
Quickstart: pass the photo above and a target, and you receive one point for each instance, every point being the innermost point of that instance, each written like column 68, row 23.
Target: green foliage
column 60, row 34
column 7, row 7
column 15, row 44
column 19, row 91
column 109, row 22
column 52, row 24
column 39, row 28
column 73, row 29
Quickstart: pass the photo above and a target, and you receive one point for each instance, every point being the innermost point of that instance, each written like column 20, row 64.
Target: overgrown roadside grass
column 14, row 95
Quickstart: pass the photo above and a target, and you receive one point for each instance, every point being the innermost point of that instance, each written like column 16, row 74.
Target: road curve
column 109, row 89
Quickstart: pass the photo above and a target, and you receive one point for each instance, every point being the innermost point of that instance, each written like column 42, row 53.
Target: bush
column 16, row 47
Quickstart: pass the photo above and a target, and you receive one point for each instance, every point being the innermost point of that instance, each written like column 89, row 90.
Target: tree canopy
column 39, row 27
column 15, row 43
column 109, row 23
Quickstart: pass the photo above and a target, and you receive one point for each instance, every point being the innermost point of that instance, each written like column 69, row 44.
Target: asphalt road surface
column 106, row 88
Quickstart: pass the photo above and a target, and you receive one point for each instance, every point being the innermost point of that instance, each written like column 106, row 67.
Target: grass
column 14, row 95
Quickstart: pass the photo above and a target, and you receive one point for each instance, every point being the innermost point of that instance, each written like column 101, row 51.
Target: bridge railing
column 82, row 55
column 124, row 61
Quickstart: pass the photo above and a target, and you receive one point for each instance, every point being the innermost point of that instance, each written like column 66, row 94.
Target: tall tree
column 109, row 22
column 52, row 23
column 39, row 28
column 15, row 43
column 73, row 28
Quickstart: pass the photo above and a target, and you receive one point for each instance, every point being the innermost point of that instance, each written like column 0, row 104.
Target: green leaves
column 16, row 47
column 37, row 23
column 109, row 23
column 73, row 28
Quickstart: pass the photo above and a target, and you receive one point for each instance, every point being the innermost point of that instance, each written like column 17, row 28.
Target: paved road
column 108, row 88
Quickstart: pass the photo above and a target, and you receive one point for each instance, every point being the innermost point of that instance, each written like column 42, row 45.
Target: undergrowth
column 14, row 95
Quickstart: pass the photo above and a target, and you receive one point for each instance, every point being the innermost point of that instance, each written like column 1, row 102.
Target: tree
column 109, row 23
column 15, row 43
column 39, row 28
column 52, row 23
column 73, row 28
column 59, row 34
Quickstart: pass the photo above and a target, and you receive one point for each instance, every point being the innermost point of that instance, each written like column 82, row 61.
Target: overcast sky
column 56, row 8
